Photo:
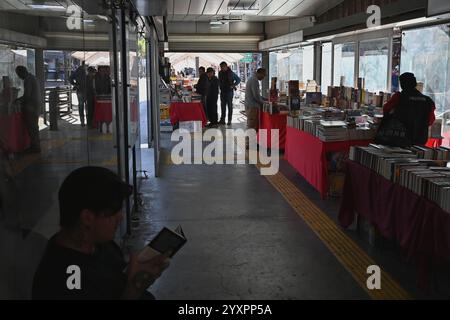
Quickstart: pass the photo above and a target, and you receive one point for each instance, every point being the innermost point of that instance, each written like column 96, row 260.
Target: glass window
column 373, row 64
column 293, row 64
column 326, row 66
column 10, row 58
column 308, row 63
column 273, row 65
column 429, row 61
column 344, row 64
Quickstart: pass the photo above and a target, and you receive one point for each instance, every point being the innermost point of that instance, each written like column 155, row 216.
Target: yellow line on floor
column 348, row 253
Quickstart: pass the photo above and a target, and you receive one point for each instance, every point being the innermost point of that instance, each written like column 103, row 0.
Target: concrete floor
column 244, row 239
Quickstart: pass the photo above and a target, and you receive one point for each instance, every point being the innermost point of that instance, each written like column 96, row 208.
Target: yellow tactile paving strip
column 348, row 253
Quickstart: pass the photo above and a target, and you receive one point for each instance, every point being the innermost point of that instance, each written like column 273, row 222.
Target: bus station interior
column 246, row 238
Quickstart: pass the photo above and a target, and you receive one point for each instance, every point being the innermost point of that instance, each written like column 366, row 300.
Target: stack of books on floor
column 427, row 177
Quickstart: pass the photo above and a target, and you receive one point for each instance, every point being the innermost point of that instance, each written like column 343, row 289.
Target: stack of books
column 429, row 178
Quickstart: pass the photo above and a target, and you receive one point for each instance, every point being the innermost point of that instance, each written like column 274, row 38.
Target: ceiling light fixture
column 47, row 7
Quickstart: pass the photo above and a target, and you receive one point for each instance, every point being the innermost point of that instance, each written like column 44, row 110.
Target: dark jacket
column 212, row 93
column 202, row 84
column 414, row 112
column 78, row 79
column 228, row 80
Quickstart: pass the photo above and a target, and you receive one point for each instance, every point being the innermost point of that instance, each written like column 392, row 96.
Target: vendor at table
column 253, row 99
column 413, row 109
column 31, row 106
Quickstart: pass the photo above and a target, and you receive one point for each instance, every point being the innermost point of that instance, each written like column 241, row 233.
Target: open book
column 165, row 241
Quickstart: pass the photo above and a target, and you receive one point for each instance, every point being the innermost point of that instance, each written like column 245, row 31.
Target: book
column 166, row 241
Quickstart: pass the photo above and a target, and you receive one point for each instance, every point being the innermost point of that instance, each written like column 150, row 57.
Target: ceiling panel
column 288, row 7
column 273, row 6
column 20, row 5
column 212, row 6
column 170, row 7
column 181, row 6
column 224, row 7
column 197, row 6
column 6, row 6
column 314, row 7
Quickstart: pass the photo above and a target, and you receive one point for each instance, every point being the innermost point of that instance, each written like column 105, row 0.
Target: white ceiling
column 22, row 6
column 205, row 10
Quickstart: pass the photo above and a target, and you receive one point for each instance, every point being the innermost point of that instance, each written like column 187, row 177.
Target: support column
column 197, row 65
column 318, row 62
column 265, row 83
column 40, row 75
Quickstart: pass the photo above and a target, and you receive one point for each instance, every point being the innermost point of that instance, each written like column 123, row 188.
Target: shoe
column 229, row 124
column 222, row 122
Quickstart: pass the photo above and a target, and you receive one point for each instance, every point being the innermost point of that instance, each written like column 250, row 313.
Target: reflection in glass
column 373, row 64
column 326, row 66
column 344, row 64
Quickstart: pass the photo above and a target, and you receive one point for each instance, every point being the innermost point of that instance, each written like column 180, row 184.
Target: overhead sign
column 247, row 58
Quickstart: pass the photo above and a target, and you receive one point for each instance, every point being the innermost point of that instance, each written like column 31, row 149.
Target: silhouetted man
column 31, row 106
column 228, row 82
column 413, row 109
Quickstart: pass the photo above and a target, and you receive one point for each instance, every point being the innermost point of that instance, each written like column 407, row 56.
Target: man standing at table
column 228, row 82
column 212, row 95
column 253, row 99
column 202, row 86
column 413, row 109
column 31, row 103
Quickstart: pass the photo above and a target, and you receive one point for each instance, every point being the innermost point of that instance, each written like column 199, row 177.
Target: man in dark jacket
column 78, row 80
column 31, row 106
column 212, row 96
column 413, row 109
column 228, row 82
column 90, row 95
column 202, row 87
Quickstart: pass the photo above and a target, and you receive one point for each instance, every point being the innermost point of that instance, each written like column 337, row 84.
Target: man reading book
column 82, row 261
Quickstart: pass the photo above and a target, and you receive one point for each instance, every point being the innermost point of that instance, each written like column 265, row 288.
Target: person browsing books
column 82, row 261
column 228, row 84
column 413, row 109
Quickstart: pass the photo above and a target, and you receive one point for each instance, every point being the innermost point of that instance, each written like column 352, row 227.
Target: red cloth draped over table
column 308, row 155
column 273, row 121
column 102, row 111
column 418, row 225
column 187, row 111
column 434, row 143
column 14, row 135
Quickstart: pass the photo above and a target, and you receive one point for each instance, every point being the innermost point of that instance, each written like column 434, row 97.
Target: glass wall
column 429, row 61
column 373, row 64
column 292, row 64
column 37, row 155
column 10, row 58
column 344, row 64
column 326, row 66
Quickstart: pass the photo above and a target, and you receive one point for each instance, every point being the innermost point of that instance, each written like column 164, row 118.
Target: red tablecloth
column 434, row 143
column 273, row 121
column 308, row 155
column 103, row 111
column 14, row 135
column 183, row 111
column 419, row 226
